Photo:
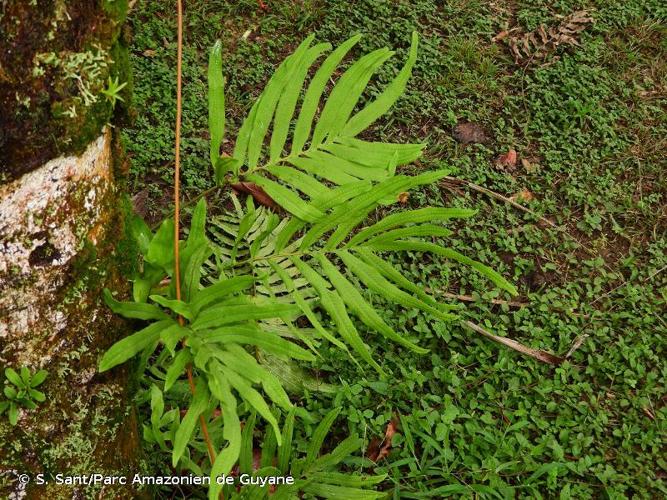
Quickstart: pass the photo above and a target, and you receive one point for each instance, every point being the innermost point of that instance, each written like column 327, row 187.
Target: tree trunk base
column 59, row 228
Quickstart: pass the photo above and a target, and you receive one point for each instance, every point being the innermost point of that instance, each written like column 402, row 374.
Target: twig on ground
column 470, row 298
column 576, row 345
column 538, row 354
column 498, row 196
column 651, row 276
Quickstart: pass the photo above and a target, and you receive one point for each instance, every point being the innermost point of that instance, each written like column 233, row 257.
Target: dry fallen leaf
column 528, row 167
column 140, row 203
column 470, row 133
column 378, row 450
column 648, row 413
column 504, row 34
column 538, row 44
column 576, row 345
column 507, row 160
column 256, row 192
column 403, row 197
column 523, row 195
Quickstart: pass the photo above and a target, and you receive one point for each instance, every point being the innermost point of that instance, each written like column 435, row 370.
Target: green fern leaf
column 345, row 95
column 251, row 335
column 321, row 431
column 314, row 93
column 216, row 101
column 269, row 100
column 288, row 99
column 364, row 118
column 421, row 246
column 231, row 431
column 187, row 427
column 362, row 309
column 132, row 345
column 253, row 398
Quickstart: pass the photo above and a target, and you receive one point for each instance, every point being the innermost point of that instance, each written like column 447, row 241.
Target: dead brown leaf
column 576, row 345
column 523, row 195
column 470, row 133
column 377, row 450
column 527, row 166
column 403, row 197
column 257, row 193
column 504, row 34
column 508, row 160
column 648, row 413
column 140, row 203
column 538, row 44
column 4, row 76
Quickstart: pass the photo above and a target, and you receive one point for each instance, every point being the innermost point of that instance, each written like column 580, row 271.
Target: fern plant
column 250, row 273
column 342, row 179
column 313, row 473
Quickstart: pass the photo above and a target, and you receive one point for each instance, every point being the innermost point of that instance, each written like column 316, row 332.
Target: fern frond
column 318, row 266
column 266, row 274
column 324, row 149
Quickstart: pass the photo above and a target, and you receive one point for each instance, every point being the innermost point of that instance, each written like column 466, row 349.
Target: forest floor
column 586, row 244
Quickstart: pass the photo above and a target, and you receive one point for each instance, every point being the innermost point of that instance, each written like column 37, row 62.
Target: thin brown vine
column 177, row 186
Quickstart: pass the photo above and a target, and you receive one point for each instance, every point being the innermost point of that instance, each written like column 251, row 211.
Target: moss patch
column 59, row 58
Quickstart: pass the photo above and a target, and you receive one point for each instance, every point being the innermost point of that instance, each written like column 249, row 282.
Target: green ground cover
column 477, row 419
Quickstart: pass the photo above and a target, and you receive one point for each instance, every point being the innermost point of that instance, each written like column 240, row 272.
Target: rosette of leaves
column 21, row 392
column 265, row 270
